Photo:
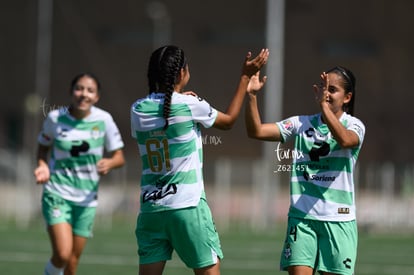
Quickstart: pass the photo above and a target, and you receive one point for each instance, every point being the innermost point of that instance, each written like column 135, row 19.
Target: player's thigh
column 209, row 270
column 152, row 269
column 78, row 245
column 61, row 238
column 300, row 269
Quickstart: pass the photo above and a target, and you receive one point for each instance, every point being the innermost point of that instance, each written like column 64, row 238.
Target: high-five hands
column 251, row 67
column 255, row 83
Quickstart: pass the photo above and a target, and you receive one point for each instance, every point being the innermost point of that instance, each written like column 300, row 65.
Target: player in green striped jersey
column 167, row 127
column 76, row 138
column 322, row 230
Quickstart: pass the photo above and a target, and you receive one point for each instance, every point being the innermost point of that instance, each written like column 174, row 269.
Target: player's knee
column 61, row 258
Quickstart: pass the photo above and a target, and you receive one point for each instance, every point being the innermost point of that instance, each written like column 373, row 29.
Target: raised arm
column 225, row 120
column 254, row 126
column 345, row 138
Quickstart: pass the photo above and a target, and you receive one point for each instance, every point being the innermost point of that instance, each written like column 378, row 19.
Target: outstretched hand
column 251, row 67
column 255, row 84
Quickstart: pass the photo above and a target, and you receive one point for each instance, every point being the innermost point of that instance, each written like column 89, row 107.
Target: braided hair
column 349, row 85
column 163, row 71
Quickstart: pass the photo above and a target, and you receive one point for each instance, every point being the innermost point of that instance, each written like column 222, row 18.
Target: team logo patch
column 287, row 252
column 347, row 262
column 287, row 125
column 95, row 132
column 56, row 213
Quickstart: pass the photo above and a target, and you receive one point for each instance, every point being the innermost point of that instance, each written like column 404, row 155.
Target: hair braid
column 163, row 70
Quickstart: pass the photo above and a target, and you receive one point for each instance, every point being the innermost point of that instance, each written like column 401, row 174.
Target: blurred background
column 45, row 43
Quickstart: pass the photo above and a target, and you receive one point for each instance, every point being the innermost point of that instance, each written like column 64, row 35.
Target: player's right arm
column 42, row 172
column 254, row 126
column 225, row 120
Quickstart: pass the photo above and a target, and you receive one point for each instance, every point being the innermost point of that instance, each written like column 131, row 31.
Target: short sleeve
column 113, row 138
column 288, row 128
column 202, row 112
column 46, row 136
column 358, row 127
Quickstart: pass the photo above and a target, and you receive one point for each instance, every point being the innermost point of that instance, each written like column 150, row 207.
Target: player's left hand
column 104, row 166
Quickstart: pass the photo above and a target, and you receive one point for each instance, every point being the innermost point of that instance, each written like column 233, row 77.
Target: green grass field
column 114, row 252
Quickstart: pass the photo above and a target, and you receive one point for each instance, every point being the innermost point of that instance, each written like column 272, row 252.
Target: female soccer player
column 76, row 138
column 166, row 124
column 322, row 230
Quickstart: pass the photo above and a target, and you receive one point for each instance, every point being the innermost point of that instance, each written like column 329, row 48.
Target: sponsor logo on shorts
column 56, row 213
column 347, row 262
column 287, row 252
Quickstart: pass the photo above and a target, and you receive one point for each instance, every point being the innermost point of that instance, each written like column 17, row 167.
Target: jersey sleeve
column 113, row 138
column 358, row 127
column 288, row 128
column 202, row 112
column 133, row 120
column 46, row 136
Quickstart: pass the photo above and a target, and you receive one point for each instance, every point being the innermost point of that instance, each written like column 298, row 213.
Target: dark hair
column 84, row 74
column 163, row 70
column 349, row 85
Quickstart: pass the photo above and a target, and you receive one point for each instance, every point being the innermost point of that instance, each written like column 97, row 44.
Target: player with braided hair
column 174, row 214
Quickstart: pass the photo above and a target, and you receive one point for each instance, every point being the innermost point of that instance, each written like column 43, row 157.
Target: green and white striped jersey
column 172, row 160
column 322, row 184
column 77, row 145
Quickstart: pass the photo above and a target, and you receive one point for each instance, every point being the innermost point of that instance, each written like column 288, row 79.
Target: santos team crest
column 95, row 133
